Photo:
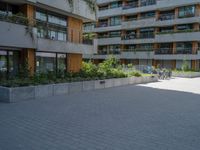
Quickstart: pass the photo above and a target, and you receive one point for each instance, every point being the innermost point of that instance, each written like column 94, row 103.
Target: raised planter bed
column 16, row 94
column 186, row 74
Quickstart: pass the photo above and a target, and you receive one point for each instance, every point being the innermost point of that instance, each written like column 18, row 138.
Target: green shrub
column 185, row 66
column 135, row 73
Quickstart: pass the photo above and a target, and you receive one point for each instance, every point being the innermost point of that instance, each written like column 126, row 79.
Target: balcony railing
column 164, row 17
column 183, row 51
column 131, row 5
column 110, row 52
column 178, row 31
column 139, row 36
column 17, row 19
column 139, row 49
column 164, row 51
column 147, row 3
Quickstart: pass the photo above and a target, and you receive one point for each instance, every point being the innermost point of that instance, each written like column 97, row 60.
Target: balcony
column 138, row 54
column 177, row 21
column 142, row 23
column 80, row 9
column 109, row 40
column 161, row 4
column 164, row 51
column 17, row 34
column 164, row 17
column 180, row 54
column 137, row 39
column 134, row 7
column 106, row 27
column 187, row 35
column 131, row 5
column 109, row 12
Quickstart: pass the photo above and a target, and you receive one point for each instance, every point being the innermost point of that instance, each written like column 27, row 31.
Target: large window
column 50, row 62
column 51, row 26
column 184, row 48
column 115, row 21
column 187, row 11
column 9, row 63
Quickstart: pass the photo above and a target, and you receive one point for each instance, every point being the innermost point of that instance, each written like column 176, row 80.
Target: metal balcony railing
column 164, row 17
column 163, row 51
column 131, row 5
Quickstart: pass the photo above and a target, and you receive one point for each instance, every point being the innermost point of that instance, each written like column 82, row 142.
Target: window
column 61, row 61
column 48, row 26
column 167, row 29
column 185, row 27
column 147, row 15
column 184, row 48
column 115, row 21
column 9, row 63
column 41, row 16
column 53, row 62
column 115, row 34
column 115, row 4
column 45, row 62
column 3, row 64
column 147, row 33
column 114, row 49
column 187, row 11
column 57, row 20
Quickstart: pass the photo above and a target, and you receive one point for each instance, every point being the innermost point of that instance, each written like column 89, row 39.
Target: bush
column 89, row 69
column 135, row 73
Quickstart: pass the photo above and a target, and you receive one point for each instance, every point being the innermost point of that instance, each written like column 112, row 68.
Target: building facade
column 46, row 35
column 148, row 32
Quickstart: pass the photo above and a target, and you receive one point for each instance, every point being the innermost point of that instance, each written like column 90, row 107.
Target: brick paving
column 123, row 118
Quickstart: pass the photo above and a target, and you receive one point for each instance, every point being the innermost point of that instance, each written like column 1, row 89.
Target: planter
column 33, row 92
column 99, row 84
column 42, row 91
column 75, row 87
column 88, row 85
column 61, row 89
column 21, row 93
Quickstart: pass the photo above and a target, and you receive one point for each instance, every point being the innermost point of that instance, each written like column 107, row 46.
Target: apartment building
column 148, row 32
column 46, row 35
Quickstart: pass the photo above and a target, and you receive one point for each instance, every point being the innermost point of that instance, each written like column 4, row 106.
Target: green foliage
column 89, row 69
column 135, row 73
column 24, row 70
column 185, row 66
column 110, row 68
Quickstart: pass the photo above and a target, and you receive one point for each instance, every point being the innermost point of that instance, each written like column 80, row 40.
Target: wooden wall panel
column 75, row 30
column 74, row 62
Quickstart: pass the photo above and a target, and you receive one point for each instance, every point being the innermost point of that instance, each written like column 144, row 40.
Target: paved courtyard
column 145, row 117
